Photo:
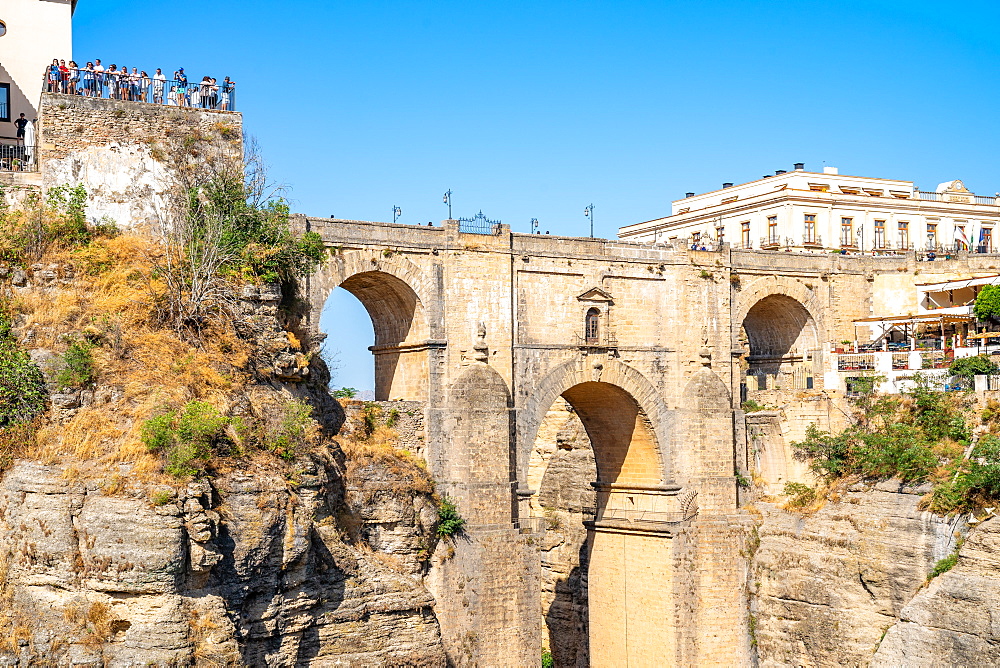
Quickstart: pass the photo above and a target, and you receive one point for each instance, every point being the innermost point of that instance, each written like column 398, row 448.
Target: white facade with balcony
column 32, row 33
column 811, row 211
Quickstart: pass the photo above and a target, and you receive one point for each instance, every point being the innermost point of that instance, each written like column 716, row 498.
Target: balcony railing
column 220, row 95
column 18, row 158
column 603, row 340
column 630, row 515
column 812, row 240
column 959, row 198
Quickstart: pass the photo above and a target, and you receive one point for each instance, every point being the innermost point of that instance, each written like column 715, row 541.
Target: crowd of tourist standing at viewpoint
column 118, row 83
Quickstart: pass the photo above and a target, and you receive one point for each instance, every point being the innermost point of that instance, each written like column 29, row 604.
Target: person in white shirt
column 98, row 78
column 159, row 81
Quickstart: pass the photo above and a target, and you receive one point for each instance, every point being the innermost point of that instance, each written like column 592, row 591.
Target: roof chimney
column 778, row 171
column 800, row 166
column 688, row 194
column 830, row 170
column 727, row 185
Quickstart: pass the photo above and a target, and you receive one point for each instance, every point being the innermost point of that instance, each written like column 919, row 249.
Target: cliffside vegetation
column 139, row 340
column 924, row 436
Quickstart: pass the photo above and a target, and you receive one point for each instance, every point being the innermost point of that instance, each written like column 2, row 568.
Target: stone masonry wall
column 117, row 150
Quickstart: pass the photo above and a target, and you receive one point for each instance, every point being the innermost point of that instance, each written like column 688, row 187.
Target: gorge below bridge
column 650, row 346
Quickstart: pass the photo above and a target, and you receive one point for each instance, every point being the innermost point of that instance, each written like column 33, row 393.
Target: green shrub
column 186, row 459
column 371, row 418
column 22, row 384
column 799, row 495
column 187, row 437
column 987, row 306
column 547, row 660
column 449, row 521
column 392, row 418
column 190, row 436
column 967, row 367
column 158, row 432
column 79, row 370
column 292, row 430
column 161, row 497
column 199, row 423
column 944, row 565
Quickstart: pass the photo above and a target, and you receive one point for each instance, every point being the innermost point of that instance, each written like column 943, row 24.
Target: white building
column 32, row 33
column 800, row 210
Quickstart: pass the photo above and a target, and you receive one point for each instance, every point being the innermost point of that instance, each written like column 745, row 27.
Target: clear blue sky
column 536, row 109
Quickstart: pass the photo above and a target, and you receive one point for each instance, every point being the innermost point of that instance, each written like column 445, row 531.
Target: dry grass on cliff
column 374, row 463
column 140, row 365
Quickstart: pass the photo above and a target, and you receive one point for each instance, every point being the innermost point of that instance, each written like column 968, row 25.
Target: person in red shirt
column 63, row 76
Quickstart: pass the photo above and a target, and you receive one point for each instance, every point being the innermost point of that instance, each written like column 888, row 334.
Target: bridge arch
column 780, row 320
column 402, row 306
column 624, row 416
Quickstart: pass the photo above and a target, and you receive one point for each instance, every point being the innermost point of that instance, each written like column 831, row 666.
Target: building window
column 809, row 236
column 846, row 231
column 745, row 234
column 3, row 29
column 593, row 316
column 720, row 235
column 904, row 234
column 5, row 102
column 931, row 236
column 879, row 234
column 772, row 230
column 986, row 239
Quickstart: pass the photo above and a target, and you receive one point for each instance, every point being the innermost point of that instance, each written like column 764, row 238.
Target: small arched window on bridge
column 593, row 317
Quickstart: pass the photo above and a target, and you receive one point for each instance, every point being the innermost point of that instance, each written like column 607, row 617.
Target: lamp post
column 588, row 211
column 447, row 200
column 396, row 213
column 534, row 225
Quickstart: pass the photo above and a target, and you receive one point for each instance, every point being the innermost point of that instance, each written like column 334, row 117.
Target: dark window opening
column 593, row 316
column 5, row 103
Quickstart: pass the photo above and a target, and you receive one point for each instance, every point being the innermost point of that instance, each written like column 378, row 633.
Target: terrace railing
column 170, row 92
column 960, row 198
column 18, row 158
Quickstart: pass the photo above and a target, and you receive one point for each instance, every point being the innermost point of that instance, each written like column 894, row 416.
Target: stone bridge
column 649, row 346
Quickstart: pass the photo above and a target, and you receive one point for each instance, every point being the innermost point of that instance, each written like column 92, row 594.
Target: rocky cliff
column 251, row 568
column 826, row 586
column 955, row 621
column 277, row 545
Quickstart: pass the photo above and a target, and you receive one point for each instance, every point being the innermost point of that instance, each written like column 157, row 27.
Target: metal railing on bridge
column 479, row 224
column 219, row 95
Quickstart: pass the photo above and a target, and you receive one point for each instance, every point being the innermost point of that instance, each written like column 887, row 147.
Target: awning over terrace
column 993, row 279
column 921, row 319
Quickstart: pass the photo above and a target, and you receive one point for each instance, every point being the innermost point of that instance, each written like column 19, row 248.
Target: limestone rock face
column 955, row 621
column 563, row 467
column 825, row 587
column 243, row 571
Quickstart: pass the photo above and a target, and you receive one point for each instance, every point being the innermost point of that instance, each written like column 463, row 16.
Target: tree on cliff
column 227, row 225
